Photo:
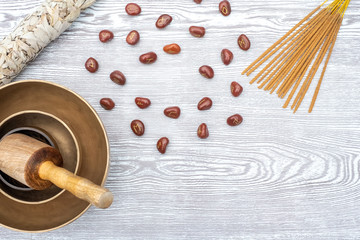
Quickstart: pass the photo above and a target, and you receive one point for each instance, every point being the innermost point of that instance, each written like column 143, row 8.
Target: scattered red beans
column 227, row 56
column 172, row 112
column 106, row 35
column 203, row 131
column 163, row 21
column 244, row 42
column 172, row 48
column 142, row 102
column 225, row 8
column 197, row 31
column 205, row 104
column 162, row 144
column 133, row 9
column 91, row 65
column 198, row 1
column 206, row 71
column 236, row 89
column 137, row 127
column 133, row 37
column 118, row 77
column 234, row 120
column 148, row 58
column 107, row 103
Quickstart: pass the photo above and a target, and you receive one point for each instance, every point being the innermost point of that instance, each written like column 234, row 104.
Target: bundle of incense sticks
column 296, row 57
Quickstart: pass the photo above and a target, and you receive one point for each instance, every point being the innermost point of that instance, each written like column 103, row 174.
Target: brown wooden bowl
column 71, row 123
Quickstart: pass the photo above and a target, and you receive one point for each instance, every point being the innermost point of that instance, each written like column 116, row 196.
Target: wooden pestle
column 37, row 165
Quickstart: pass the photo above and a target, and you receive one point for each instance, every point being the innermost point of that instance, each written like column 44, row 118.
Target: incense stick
column 299, row 53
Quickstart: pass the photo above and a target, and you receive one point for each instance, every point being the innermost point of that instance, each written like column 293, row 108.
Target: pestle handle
column 80, row 187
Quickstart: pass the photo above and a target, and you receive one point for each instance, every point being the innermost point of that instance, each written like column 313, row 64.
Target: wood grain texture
column 80, row 187
column 21, row 157
column 276, row 176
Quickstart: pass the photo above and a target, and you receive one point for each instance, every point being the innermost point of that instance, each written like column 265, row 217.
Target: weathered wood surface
column 277, row 176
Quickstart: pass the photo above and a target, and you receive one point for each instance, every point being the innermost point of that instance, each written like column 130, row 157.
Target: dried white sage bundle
column 35, row 32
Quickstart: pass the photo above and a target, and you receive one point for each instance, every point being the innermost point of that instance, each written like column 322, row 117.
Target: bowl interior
column 46, row 128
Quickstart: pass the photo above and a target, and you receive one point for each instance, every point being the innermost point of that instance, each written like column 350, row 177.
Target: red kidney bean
column 227, row 56
column 205, row 104
column 172, row 112
column 137, row 127
column 225, row 8
column 197, row 31
column 198, row 1
column 206, row 71
column 133, row 37
column 162, row 144
column 203, row 131
column 236, row 89
column 91, row 65
column 244, row 42
column 107, row 103
column 118, row 77
column 142, row 102
column 105, row 36
column 234, row 120
column 133, row 9
column 148, row 58
column 163, row 21
column 172, row 48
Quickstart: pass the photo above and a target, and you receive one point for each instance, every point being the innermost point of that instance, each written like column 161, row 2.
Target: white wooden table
column 277, row 176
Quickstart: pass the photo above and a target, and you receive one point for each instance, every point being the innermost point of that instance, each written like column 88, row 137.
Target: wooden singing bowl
column 92, row 148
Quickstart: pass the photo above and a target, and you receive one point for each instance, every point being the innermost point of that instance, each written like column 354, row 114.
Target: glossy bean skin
column 107, row 103
column 105, row 36
column 197, row 31
column 236, row 89
column 133, row 9
column 162, row 144
column 234, row 120
column 148, row 58
column 206, row 71
column 133, row 37
column 203, row 131
column 205, row 104
column 226, row 56
column 163, row 21
column 225, row 8
column 172, row 48
column 137, row 127
column 91, row 65
column 198, row 1
column 118, row 77
column 244, row 42
column 172, row 112
column 142, row 102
